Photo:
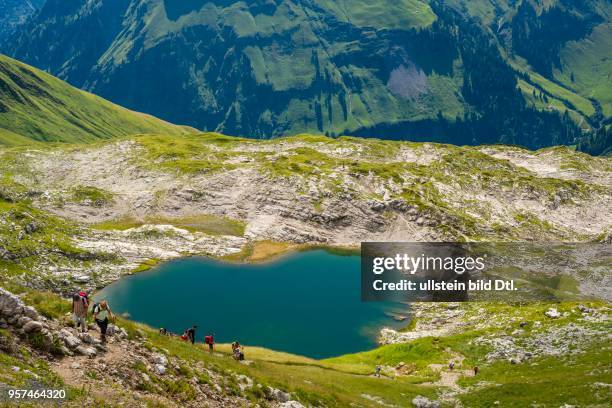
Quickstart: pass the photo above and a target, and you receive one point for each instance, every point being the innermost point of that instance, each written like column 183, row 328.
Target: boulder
column 160, row 369
column 10, row 305
column 32, row 326
column 279, row 395
column 121, row 333
column 86, row 351
column 86, row 338
column 30, row 312
column 30, row 228
column 23, row 320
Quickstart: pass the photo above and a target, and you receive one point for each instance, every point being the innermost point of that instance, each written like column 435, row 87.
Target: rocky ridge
column 152, row 193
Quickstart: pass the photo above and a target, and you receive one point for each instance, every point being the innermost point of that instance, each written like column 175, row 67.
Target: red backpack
column 208, row 339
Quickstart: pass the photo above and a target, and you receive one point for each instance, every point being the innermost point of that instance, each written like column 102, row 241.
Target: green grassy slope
column 589, row 63
column 37, row 106
column 389, row 14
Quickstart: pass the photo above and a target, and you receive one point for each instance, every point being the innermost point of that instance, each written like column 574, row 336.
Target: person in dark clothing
column 191, row 333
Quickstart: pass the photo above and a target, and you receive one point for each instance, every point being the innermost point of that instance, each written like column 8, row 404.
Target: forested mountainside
column 35, row 106
column 461, row 72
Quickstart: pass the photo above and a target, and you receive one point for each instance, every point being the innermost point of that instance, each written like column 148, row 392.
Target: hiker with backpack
column 191, row 332
column 210, row 340
column 378, row 370
column 102, row 314
column 80, row 305
column 237, row 351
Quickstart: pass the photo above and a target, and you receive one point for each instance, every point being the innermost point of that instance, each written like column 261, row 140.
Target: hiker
column 237, row 352
column 475, row 370
column 80, row 305
column 163, row 331
column 191, row 332
column 451, row 365
column 102, row 314
column 210, row 340
column 378, row 370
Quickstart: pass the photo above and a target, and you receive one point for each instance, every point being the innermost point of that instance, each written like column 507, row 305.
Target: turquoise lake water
column 305, row 303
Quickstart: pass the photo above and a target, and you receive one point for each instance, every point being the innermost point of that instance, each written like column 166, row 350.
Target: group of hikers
column 190, row 336
column 102, row 314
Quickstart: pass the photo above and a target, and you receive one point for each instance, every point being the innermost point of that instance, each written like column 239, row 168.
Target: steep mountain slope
column 16, row 12
column 36, row 106
column 393, row 69
column 565, row 41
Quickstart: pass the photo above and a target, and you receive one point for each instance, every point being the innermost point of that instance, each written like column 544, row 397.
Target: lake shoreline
column 288, row 284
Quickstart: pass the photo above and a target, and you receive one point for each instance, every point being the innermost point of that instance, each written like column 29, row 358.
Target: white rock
column 160, row 359
column 422, row 402
column 291, row 404
column 81, row 278
column 552, row 313
column 160, row 369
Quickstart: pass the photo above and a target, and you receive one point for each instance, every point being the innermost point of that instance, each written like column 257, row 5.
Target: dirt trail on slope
column 85, row 372
column 449, row 378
